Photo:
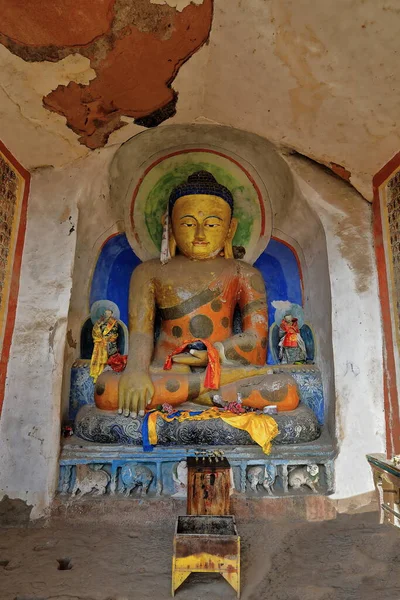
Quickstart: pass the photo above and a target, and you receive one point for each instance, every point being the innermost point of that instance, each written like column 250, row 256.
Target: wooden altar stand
column 208, row 489
column 206, row 540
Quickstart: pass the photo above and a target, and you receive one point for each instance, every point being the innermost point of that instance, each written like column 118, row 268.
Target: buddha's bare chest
column 176, row 285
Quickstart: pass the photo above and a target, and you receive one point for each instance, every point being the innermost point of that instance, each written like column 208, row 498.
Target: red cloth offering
column 213, row 370
column 117, row 362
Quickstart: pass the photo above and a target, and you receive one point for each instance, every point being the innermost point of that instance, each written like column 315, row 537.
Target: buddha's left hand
column 196, row 358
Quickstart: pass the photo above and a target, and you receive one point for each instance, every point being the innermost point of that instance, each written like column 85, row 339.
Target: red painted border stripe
column 391, row 402
column 15, row 274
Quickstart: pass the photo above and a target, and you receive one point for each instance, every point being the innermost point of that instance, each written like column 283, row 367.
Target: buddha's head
column 201, row 219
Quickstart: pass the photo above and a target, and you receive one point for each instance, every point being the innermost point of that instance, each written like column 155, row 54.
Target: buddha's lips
column 200, row 243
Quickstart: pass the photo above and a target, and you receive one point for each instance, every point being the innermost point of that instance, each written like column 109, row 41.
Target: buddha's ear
column 171, row 242
column 232, row 228
column 228, row 252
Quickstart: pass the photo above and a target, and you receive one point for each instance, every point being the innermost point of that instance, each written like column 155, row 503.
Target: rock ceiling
column 318, row 78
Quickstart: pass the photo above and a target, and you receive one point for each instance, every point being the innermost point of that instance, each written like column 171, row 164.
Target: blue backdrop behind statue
column 113, row 272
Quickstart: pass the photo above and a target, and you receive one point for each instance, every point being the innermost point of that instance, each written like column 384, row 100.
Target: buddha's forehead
column 201, row 206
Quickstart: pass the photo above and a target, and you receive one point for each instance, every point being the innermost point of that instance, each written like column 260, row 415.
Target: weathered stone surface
column 99, row 426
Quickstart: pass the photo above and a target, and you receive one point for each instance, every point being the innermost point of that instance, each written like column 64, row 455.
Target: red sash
column 213, row 370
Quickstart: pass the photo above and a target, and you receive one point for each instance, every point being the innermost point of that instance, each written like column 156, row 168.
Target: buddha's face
column 201, row 224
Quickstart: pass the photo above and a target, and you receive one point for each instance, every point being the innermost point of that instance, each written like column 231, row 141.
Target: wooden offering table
column 208, row 490
column 204, row 544
column 387, row 482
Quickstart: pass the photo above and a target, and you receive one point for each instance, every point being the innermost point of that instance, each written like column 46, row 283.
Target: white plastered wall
column 30, row 420
column 356, row 323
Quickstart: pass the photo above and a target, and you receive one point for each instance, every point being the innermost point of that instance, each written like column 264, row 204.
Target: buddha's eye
column 212, row 225
column 187, row 224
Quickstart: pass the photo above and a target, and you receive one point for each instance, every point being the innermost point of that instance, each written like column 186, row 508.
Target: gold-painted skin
column 196, row 293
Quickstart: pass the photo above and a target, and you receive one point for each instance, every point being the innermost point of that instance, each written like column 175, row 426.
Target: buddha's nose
column 200, row 235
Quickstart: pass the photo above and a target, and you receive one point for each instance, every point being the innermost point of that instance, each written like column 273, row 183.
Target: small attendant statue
column 292, row 348
column 105, row 335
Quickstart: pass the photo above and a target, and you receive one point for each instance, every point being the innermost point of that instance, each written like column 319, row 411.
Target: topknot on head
column 200, row 182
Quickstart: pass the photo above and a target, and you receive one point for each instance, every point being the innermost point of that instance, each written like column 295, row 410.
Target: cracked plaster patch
column 135, row 62
column 178, row 4
column 22, row 88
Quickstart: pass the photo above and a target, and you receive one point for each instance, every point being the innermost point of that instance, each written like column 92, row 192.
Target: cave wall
column 356, row 323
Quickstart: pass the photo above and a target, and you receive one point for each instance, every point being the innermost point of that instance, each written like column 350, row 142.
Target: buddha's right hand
column 135, row 392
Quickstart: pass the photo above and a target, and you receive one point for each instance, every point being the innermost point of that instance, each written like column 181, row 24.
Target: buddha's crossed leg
column 257, row 386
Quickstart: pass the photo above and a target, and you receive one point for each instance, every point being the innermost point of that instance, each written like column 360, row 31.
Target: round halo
column 150, row 198
column 100, row 306
column 284, row 308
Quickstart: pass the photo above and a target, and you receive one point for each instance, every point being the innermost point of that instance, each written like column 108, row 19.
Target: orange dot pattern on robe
column 209, row 316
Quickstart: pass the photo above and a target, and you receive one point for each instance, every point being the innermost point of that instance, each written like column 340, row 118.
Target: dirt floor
column 350, row 558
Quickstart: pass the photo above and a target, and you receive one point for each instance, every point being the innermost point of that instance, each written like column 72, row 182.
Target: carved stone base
column 94, row 425
column 128, row 470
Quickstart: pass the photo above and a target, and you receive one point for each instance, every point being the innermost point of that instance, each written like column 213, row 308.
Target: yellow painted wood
column 178, row 577
column 203, row 562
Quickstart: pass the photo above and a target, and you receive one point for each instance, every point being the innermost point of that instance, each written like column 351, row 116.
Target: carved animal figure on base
column 180, row 478
column 264, row 475
column 88, row 479
column 136, row 476
column 307, row 475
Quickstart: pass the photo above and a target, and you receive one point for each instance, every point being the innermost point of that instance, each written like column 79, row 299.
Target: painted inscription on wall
column 393, row 212
column 14, row 187
column 8, row 201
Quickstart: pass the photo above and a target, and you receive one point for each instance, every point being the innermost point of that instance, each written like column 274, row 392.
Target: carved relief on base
column 135, row 476
column 262, row 476
column 161, row 476
column 90, row 479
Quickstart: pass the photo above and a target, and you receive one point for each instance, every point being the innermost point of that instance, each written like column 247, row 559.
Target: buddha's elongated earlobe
column 228, row 252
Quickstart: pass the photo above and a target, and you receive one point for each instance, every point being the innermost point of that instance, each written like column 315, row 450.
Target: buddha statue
column 195, row 291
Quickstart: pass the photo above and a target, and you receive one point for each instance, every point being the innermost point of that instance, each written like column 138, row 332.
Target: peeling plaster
column 73, row 23
column 317, row 78
column 341, row 171
column 26, row 126
column 135, row 61
column 178, row 4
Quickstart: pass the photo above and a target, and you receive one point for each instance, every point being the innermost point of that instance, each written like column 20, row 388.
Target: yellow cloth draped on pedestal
column 261, row 428
column 100, row 353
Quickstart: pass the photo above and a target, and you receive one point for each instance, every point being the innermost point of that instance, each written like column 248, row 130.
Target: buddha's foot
column 265, row 390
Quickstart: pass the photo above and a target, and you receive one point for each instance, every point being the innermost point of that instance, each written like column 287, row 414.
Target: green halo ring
column 151, row 199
